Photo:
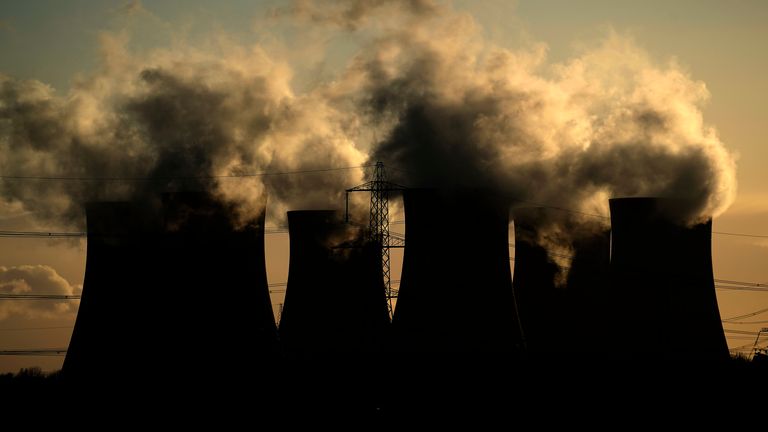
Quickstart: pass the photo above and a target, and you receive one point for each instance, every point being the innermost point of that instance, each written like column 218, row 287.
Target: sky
column 716, row 47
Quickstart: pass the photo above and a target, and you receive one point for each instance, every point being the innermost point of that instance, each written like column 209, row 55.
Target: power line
column 739, row 234
column 751, row 284
column 35, row 352
column 751, row 314
column 39, row 297
column 743, row 332
column 41, row 234
column 223, row 176
column 36, row 328
column 745, row 322
column 78, row 296
column 50, row 234
column 741, row 288
column 275, row 230
column 738, row 337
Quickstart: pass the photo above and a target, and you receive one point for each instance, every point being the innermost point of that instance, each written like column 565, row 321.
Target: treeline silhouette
column 35, row 377
column 30, row 378
column 433, row 389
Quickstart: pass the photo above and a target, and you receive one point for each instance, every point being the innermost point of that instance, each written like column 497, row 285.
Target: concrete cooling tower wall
column 661, row 274
column 113, row 334
column 215, row 283
column 456, row 288
column 542, row 306
column 171, row 292
column 560, row 318
column 335, row 300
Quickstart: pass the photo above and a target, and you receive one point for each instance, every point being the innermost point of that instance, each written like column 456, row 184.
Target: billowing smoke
column 174, row 120
column 354, row 14
column 460, row 111
column 449, row 108
column 607, row 123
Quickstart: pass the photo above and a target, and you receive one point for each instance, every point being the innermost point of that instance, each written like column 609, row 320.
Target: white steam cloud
column 450, row 109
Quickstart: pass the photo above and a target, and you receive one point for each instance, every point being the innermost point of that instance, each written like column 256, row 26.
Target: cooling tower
column 662, row 277
column 111, row 331
column 541, row 304
column 335, row 300
column 171, row 294
column 559, row 293
column 456, row 288
column 215, row 284
column 588, row 289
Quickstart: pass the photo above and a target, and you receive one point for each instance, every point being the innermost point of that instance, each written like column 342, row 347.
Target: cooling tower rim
column 455, row 188
column 125, row 220
column 205, row 195
column 460, row 194
column 679, row 210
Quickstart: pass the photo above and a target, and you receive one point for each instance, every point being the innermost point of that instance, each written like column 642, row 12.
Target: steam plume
column 176, row 120
column 450, row 107
column 607, row 123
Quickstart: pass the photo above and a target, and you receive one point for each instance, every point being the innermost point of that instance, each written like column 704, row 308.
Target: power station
column 649, row 276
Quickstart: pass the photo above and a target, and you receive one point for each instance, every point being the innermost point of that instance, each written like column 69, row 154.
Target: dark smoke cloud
column 448, row 108
column 353, row 14
column 178, row 120
column 609, row 123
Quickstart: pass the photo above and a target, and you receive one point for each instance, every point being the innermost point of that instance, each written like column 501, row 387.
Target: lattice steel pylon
column 378, row 223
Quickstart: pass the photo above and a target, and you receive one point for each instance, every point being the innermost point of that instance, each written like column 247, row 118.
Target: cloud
column 6, row 26
column 609, row 122
column 132, row 8
column 36, row 279
column 351, row 15
column 449, row 107
column 187, row 113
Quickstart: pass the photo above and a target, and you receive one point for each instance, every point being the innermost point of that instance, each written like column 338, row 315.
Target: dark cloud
column 465, row 114
column 132, row 7
column 177, row 125
column 449, row 108
column 354, row 14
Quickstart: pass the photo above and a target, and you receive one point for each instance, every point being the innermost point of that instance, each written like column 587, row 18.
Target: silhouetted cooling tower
column 588, row 289
column 542, row 305
column 216, row 284
column 662, row 277
column 335, row 300
column 172, row 295
column 559, row 317
column 456, row 290
column 112, row 331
